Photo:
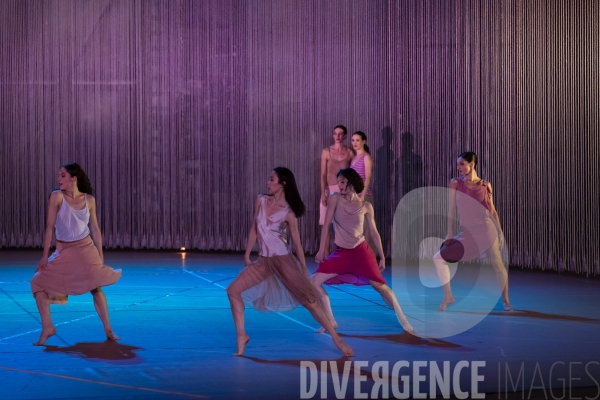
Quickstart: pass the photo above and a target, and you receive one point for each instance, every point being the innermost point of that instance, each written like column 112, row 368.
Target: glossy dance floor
column 178, row 338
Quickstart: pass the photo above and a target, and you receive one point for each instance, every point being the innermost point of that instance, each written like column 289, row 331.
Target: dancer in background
column 482, row 233
column 77, row 265
column 363, row 164
column 333, row 159
column 352, row 261
column 277, row 281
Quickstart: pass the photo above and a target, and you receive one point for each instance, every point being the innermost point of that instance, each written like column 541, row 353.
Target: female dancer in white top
column 276, row 282
column 77, row 265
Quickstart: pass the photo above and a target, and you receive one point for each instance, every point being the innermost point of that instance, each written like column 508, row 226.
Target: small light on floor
column 182, row 249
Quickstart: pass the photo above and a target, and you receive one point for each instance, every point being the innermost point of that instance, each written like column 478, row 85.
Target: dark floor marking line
column 103, row 383
column 30, row 314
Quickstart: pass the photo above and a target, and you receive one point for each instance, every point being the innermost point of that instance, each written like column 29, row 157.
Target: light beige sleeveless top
column 348, row 220
column 334, row 166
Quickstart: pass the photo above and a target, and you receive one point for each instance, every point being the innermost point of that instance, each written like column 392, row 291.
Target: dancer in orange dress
column 77, row 265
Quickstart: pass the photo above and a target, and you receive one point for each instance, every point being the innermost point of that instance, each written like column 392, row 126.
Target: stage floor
column 178, row 337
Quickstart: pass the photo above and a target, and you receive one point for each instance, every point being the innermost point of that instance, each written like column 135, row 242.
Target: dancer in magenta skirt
column 77, row 265
column 353, row 261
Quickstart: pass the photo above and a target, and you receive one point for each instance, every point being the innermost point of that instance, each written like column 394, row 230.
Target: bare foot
column 445, row 303
column 344, row 347
column 406, row 325
column 46, row 333
column 323, row 330
column 508, row 307
column 110, row 335
column 242, row 341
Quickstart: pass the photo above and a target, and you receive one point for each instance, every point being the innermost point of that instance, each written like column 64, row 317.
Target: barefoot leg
column 317, row 280
column 319, row 315
column 102, row 309
column 444, row 274
column 249, row 277
column 43, row 304
column 501, row 274
column 390, row 298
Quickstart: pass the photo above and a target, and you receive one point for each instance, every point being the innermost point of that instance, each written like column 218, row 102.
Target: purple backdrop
column 178, row 110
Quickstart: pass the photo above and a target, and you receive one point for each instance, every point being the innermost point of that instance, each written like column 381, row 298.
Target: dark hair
column 83, row 182
column 342, row 127
column 363, row 137
column 290, row 190
column 469, row 157
column 354, row 179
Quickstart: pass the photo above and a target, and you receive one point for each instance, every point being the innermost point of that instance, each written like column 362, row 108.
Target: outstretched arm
column 331, row 206
column 94, row 228
column 295, row 232
column 53, row 206
column 370, row 221
column 252, row 235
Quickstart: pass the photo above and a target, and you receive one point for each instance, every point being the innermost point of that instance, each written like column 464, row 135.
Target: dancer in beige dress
column 77, row 265
column 278, row 281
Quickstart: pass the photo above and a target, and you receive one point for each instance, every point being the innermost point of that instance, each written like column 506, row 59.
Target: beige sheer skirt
column 277, row 284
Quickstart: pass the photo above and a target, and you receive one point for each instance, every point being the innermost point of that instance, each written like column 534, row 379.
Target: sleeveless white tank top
column 272, row 231
column 72, row 225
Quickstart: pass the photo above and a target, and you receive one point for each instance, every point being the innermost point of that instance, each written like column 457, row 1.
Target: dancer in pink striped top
column 363, row 164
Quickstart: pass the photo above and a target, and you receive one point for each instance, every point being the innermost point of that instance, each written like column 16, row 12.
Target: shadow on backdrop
column 384, row 182
column 409, row 169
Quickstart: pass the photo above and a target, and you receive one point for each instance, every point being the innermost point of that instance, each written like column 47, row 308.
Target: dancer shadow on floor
column 339, row 363
column 108, row 351
column 538, row 315
column 411, row 340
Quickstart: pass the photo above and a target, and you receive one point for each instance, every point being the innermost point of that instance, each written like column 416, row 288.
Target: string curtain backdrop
column 178, row 111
